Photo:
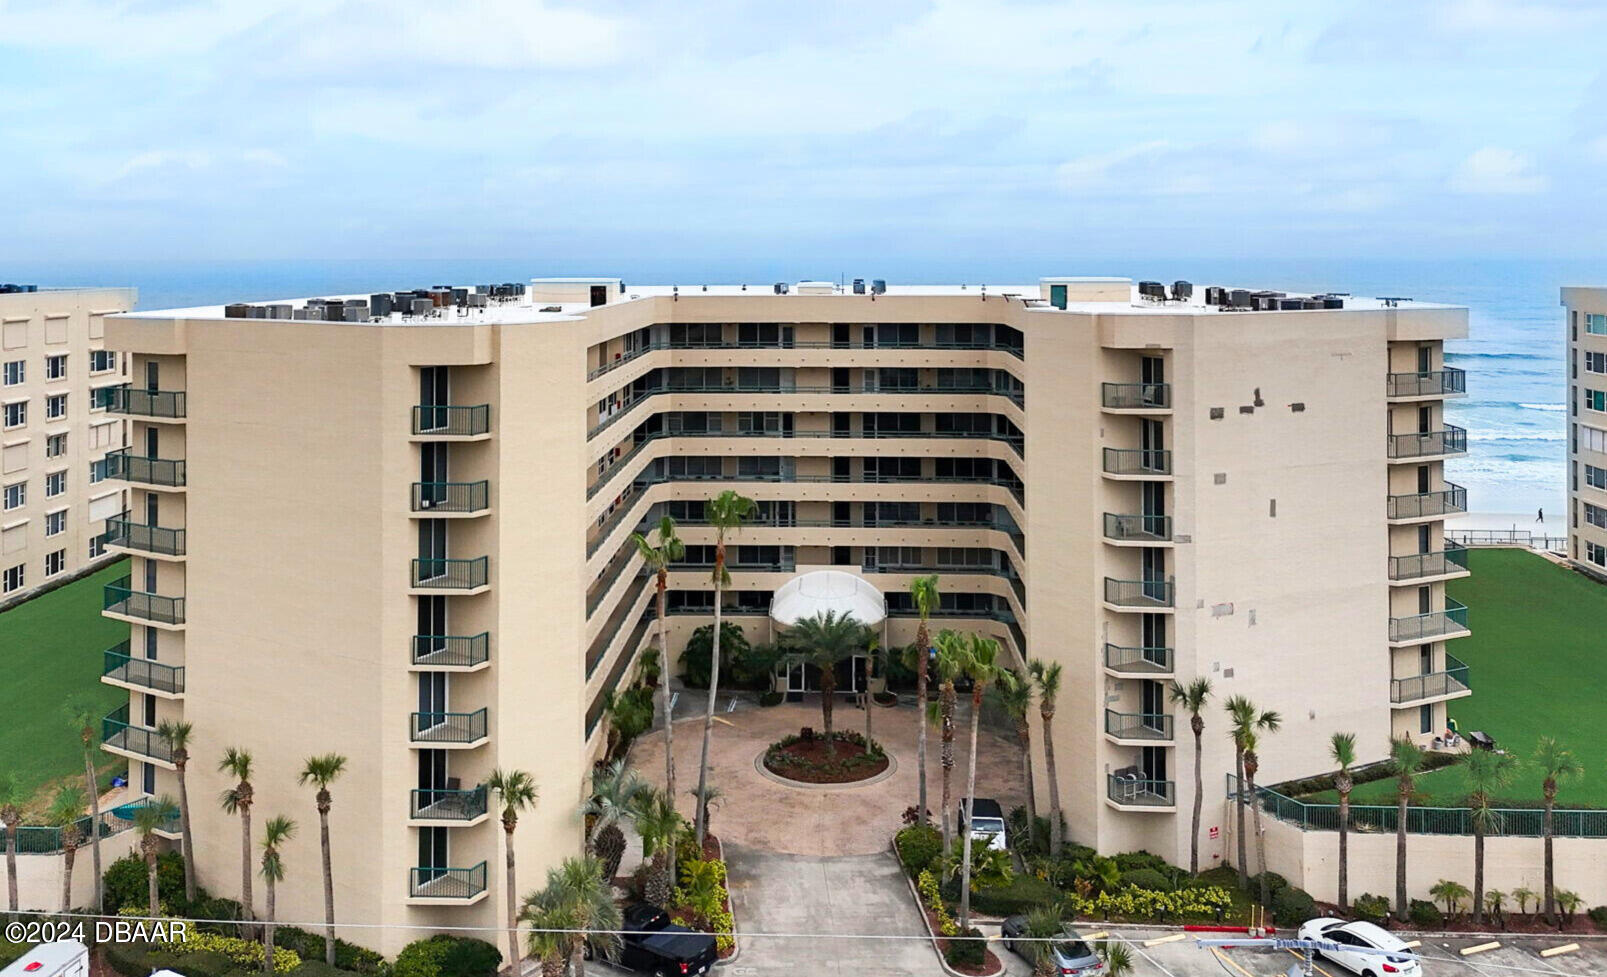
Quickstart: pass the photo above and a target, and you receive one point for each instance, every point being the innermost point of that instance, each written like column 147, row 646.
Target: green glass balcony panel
column 1425, row 627
column 118, row 665
column 119, row 598
column 125, row 532
column 1453, row 680
column 117, row 733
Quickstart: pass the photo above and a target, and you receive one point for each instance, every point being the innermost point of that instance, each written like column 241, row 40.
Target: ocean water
column 1515, row 411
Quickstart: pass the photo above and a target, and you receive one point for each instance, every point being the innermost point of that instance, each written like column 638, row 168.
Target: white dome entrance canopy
column 818, row 591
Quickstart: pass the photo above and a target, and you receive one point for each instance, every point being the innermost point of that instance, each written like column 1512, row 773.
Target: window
column 16, row 495
column 55, row 446
column 56, row 522
column 1595, row 362
column 55, row 407
column 1596, row 477
column 55, row 562
column 55, row 484
column 97, row 471
column 11, row 579
column 56, row 367
column 13, row 373
column 16, row 414
column 1596, row 324
column 1596, row 553
column 1596, row 400
column 1594, row 440
column 102, row 360
column 97, row 546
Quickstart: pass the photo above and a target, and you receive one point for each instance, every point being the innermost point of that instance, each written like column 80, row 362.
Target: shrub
column 932, row 898
column 771, row 698
column 422, row 958
column 137, row 959
column 1598, row 915
column 216, row 907
column 1205, row 903
column 917, row 846
column 1021, row 893
column 317, row 968
column 752, row 667
column 126, row 883
column 1424, row 913
column 1275, row 884
column 1292, row 906
column 698, row 657
column 967, row 951
column 1033, row 842
column 244, row 954
column 469, row 957
column 310, row 946
column 1073, row 852
column 1130, row 860
column 1372, row 908
column 1148, row 878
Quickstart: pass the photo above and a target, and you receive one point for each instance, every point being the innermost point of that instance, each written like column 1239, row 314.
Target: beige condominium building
column 397, row 526
column 56, row 434
column 1587, row 428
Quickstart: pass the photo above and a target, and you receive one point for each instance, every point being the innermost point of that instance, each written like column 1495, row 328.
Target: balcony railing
column 129, row 467
column 1139, row 725
column 1140, row 528
column 125, row 532
column 451, row 421
column 449, row 805
column 1136, row 396
column 1429, row 444
column 451, row 651
column 1134, row 790
column 119, row 666
column 1434, row 383
column 451, row 496
column 446, row 574
column 1138, row 660
column 448, row 727
column 1453, row 680
column 117, row 733
column 1451, row 500
column 646, row 348
column 1138, row 461
column 1426, row 627
column 1138, row 593
column 446, row 883
column 1453, row 559
column 120, row 598
column 138, row 402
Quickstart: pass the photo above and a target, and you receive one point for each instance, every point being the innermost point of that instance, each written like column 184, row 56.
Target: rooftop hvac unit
column 1239, row 298
column 1182, row 291
column 878, row 286
column 279, row 311
column 236, row 310
column 1215, row 295
column 460, row 296
column 257, row 312
column 421, row 306
column 380, row 304
column 351, row 302
column 1154, row 291
column 1332, row 302
column 298, row 314
column 859, row 286
column 781, row 288
column 313, row 313
column 477, row 300
column 355, row 313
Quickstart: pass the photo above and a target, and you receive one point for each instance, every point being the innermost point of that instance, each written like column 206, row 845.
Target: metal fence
column 1519, row 822
column 46, row 839
column 1509, row 537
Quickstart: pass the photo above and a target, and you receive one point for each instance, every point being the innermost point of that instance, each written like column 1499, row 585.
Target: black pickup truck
column 656, row 946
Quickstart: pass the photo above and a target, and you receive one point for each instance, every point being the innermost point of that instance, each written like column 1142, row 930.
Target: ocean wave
column 1497, row 436
column 1549, row 408
column 1467, row 405
column 1453, row 355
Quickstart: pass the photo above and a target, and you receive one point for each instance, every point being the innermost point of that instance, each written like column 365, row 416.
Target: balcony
column 1453, row 683
column 1452, row 561
column 439, row 498
column 135, row 402
column 118, row 736
column 1449, row 382
column 1148, row 727
column 1428, row 444
column 457, row 806
column 451, row 421
column 448, row 728
column 1131, row 790
column 1138, row 462
column 1138, row 593
column 459, row 886
column 447, row 574
column 124, row 533
column 1450, row 501
column 120, row 600
column 124, row 464
column 1138, row 529
column 1138, row 660
column 1418, row 628
column 451, row 651
column 1136, row 397
column 118, row 667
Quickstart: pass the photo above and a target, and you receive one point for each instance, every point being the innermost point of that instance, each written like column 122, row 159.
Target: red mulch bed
column 990, row 963
column 712, row 849
column 817, row 753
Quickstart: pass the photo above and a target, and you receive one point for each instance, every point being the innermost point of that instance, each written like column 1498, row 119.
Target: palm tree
column 237, row 800
column 1047, row 677
column 1405, row 762
column 947, row 662
column 707, row 801
column 1043, row 928
column 658, row 559
column 823, row 641
column 726, row 512
column 659, row 824
column 1342, row 748
column 65, row 813
column 148, row 819
column 322, row 771
column 177, row 735
column 1246, row 721
column 577, row 902
column 275, row 833
column 923, row 591
column 613, row 794
column 80, row 717
column 1451, row 893
column 981, row 665
column 1192, row 698
column 1014, row 695
column 516, row 791
column 544, row 941
column 1487, row 772
column 12, row 797
column 1557, row 764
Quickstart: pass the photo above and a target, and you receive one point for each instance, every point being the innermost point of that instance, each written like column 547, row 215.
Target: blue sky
column 610, row 130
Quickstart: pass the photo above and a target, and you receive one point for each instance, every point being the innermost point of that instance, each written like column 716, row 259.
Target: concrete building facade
column 404, row 535
column 1586, row 323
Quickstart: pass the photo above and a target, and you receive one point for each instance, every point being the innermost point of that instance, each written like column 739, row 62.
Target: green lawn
column 50, row 648
column 1537, row 660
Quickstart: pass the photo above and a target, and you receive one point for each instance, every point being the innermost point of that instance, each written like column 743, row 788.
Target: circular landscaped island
column 808, row 758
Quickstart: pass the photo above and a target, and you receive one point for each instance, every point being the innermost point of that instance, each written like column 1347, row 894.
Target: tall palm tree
column 322, row 771
column 1047, row 677
column 1405, row 763
column 923, row 591
column 236, row 763
column 12, row 797
column 275, row 833
column 1014, row 694
column 1342, row 749
column 726, row 512
column 659, row 824
column 177, row 735
column 65, row 813
column 149, row 817
column 577, row 901
column 823, row 641
column 613, row 795
column 545, row 941
column 658, row 559
column 981, row 666
column 1266, row 722
column 1192, row 698
column 1244, row 721
column 80, row 716
column 1557, row 764
column 946, row 663
column 516, row 791
column 1487, row 772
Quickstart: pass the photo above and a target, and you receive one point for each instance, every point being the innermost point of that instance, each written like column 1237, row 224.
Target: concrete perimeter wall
column 39, row 876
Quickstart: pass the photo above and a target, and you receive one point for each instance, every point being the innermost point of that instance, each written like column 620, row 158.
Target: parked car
column 656, row 946
column 1364, row 936
column 988, row 824
column 1073, row 957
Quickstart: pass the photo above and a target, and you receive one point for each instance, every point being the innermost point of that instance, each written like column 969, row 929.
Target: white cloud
column 1494, row 170
column 1100, row 170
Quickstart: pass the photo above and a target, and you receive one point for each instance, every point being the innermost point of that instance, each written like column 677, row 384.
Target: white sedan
column 1377, row 953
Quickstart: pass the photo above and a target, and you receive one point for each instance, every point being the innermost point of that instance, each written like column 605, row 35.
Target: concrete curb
column 766, row 773
column 926, row 921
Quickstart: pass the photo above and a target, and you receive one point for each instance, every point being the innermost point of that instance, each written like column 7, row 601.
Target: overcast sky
column 620, row 130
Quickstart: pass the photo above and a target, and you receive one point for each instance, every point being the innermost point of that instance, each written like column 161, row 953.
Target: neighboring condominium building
column 1587, row 428
column 55, row 433
column 397, row 526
